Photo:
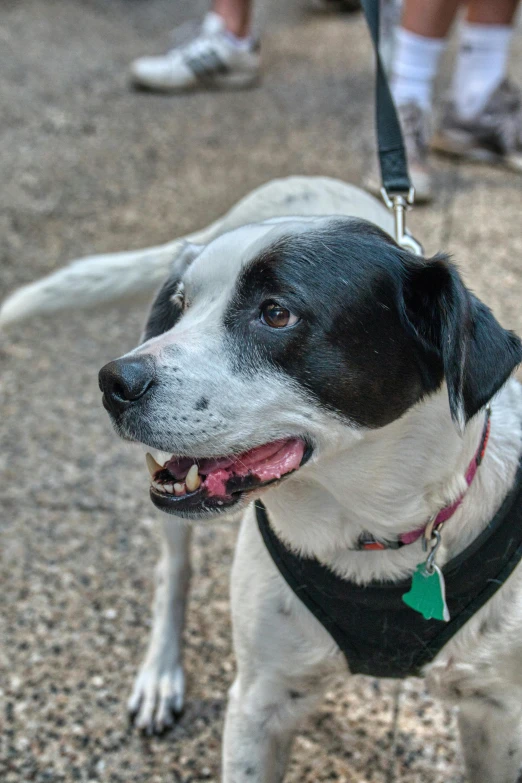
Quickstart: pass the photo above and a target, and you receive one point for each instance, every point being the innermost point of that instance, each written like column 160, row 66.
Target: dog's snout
column 125, row 381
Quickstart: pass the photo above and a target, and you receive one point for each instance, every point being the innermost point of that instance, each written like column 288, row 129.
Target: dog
column 341, row 394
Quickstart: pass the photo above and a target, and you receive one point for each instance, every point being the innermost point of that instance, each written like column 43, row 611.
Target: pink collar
column 368, row 543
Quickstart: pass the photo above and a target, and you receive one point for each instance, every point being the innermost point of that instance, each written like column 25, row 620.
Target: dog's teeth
column 169, row 488
column 193, row 480
column 179, row 489
column 158, row 487
column 152, row 465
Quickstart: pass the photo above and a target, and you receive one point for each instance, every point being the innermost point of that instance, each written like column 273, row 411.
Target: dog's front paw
column 157, row 698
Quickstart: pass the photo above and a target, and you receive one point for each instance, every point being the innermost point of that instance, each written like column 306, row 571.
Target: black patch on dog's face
column 349, row 348
column 165, row 312
column 378, row 328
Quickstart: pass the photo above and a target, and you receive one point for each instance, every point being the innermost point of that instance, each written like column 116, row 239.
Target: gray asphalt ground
column 87, row 165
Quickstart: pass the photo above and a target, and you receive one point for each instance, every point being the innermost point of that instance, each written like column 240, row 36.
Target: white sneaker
column 494, row 135
column 211, row 59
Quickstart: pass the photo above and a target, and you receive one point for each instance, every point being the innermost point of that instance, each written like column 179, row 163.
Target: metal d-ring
column 430, row 560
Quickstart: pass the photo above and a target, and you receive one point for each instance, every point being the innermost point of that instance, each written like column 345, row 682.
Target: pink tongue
column 180, row 467
column 272, row 460
column 265, row 463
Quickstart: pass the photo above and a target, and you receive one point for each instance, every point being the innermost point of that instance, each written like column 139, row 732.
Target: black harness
column 376, row 631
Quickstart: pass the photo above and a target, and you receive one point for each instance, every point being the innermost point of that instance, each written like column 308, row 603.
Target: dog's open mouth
column 188, row 486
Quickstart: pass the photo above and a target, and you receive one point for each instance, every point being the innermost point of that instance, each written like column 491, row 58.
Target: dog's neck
column 391, row 481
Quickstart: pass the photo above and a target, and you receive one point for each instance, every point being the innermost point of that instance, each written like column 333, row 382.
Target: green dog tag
column 428, row 593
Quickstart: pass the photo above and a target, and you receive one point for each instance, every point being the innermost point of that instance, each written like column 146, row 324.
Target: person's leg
column 429, row 18
column 485, row 36
column 236, row 15
column 492, row 11
column 223, row 54
column 420, row 41
column 482, row 120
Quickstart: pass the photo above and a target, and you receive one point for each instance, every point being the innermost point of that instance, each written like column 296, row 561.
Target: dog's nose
column 125, row 381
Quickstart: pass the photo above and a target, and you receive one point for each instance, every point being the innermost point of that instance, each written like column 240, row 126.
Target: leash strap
column 397, row 189
column 392, row 154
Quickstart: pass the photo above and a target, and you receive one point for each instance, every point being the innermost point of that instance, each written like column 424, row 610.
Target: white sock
column 243, row 44
column 415, row 63
column 481, row 65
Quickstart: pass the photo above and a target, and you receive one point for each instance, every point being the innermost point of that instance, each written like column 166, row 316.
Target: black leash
column 397, row 190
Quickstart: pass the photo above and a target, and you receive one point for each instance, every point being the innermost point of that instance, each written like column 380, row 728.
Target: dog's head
column 276, row 339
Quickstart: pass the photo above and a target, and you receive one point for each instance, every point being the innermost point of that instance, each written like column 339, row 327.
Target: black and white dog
column 312, row 363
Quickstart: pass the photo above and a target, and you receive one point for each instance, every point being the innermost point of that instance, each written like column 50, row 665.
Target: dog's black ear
column 458, row 333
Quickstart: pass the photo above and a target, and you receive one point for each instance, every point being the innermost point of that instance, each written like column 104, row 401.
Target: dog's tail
column 92, row 281
column 100, row 279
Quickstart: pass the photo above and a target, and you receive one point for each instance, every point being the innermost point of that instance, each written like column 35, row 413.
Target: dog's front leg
column 490, row 736
column 159, row 687
column 489, row 698
column 285, row 660
column 260, row 724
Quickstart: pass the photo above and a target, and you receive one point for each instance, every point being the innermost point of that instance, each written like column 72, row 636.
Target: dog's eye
column 277, row 316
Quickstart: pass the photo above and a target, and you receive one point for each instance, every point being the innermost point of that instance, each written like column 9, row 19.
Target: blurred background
column 89, row 165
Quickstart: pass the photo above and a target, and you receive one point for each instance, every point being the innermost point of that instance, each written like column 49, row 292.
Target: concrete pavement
column 87, row 165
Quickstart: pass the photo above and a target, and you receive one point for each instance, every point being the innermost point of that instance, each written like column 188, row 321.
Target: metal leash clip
column 399, row 203
column 434, row 542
